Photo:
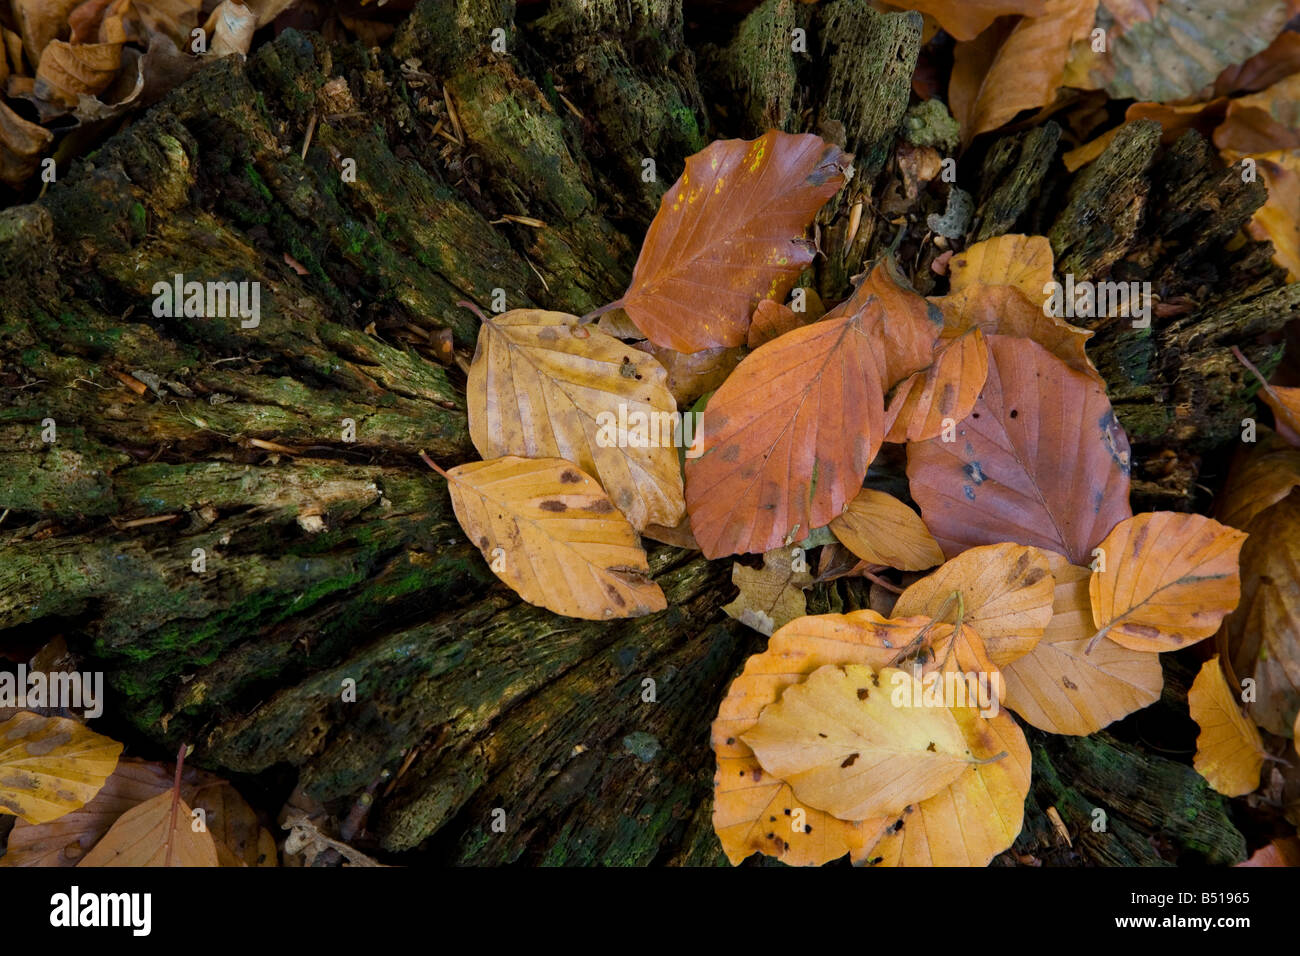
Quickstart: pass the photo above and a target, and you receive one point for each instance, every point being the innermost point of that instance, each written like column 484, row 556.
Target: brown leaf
column 41, row 21
column 21, row 146
column 1041, row 460
column 1262, row 474
column 1263, row 122
column 965, row 19
column 233, row 26
column 772, row 470
column 1284, row 851
column 67, row 72
column 1062, row 688
column 691, row 375
column 547, row 529
column 772, row 596
column 729, row 234
column 1280, row 60
column 944, row 393
column 880, row 529
column 771, row 321
column 1015, row 260
column 157, row 832
column 1229, row 751
column 1168, row 580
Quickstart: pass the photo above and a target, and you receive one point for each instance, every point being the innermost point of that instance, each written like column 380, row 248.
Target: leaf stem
column 597, row 313
column 176, row 801
column 1256, row 372
column 476, row 310
column 424, row 456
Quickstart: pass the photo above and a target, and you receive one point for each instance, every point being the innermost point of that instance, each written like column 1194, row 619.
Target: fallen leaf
column 1264, row 122
column 1167, row 50
column 1284, row 851
column 1278, row 61
column 547, row 529
column 879, row 528
column 233, row 26
column 728, row 234
column 771, row 321
column 1262, row 474
column 543, row 386
column 50, row 766
column 1007, row 593
column 771, row 470
column 1167, row 581
column 1026, row 70
column 937, row 397
column 749, row 806
column 22, row 144
column 1277, row 220
column 1022, row 469
column 39, row 22
column 975, row 817
column 67, row 72
column 1024, row 262
column 1061, row 688
column 856, row 753
column 1229, row 751
column 157, row 832
column 772, row 596
column 1263, row 634
column 692, row 375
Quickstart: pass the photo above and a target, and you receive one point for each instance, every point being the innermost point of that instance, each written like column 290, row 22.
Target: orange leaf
column 1167, row 582
column 879, row 528
column 1262, row 474
column 1022, row 468
column 943, row 394
column 157, row 832
column 1229, row 751
column 729, row 234
column 1016, row 260
column 966, row 19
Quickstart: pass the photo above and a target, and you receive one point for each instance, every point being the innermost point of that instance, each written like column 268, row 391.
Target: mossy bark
column 203, row 529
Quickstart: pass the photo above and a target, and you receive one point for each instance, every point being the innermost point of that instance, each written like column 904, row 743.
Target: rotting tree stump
column 334, row 560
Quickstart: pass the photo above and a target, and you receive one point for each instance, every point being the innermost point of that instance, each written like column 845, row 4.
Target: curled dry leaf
column 1284, row 851
column 1166, row 50
column 848, row 741
column 68, row 72
column 772, row 596
column 1262, row 474
column 750, row 807
column 772, row 470
column 879, row 528
column 40, row 21
column 1025, row 72
column 1007, row 593
column 1285, row 405
column 157, row 832
column 21, row 146
column 543, row 386
column 1229, row 751
column 51, row 765
column 1167, row 581
column 1059, row 687
column 1041, row 460
column 1278, row 61
column 1263, row 122
column 548, row 530
column 975, row 817
column 692, row 375
column 233, row 26
column 728, row 234
column 1263, row 634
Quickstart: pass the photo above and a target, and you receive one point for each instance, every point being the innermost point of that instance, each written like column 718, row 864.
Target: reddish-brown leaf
column 1041, row 460
column 729, row 234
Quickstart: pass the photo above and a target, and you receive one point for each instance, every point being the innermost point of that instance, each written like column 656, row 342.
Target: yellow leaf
column 1007, row 595
column 157, row 832
column 848, row 741
column 1169, row 579
column 548, row 530
column 67, row 72
column 879, row 528
column 1058, row 687
column 1024, row 262
column 975, row 817
column 772, row 596
column 50, row 766
column 749, row 806
column 1277, row 219
column 543, row 386
column 1229, row 751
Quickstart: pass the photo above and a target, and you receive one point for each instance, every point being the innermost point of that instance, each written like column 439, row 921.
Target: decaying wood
column 328, row 560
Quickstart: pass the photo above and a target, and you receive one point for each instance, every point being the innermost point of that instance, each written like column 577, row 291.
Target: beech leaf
column 879, row 528
column 158, row 832
column 1168, row 580
column 772, row 596
column 1229, row 751
column 51, row 765
column 547, row 529
column 728, row 234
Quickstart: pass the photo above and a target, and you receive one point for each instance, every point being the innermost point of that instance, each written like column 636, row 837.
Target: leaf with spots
column 879, row 528
column 746, row 801
column 854, row 753
column 730, row 233
column 1040, row 461
column 944, row 393
column 1063, row 688
column 1024, row 262
column 771, row 596
column 774, row 467
column 1229, row 750
column 549, row 531
column 158, row 832
column 975, row 817
column 544, row 386
column 1006, row 596
column 50, row 766
column 1168, row 580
